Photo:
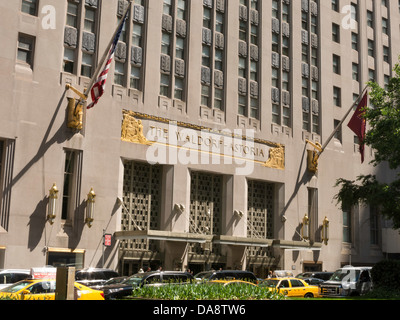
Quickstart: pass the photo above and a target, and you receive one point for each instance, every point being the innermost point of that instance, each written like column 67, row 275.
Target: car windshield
column 349, row 275
column 203, row 275
column 16, row 287
column 114, row 281
column 270, row 283
column 304, row 275
column 136, row 279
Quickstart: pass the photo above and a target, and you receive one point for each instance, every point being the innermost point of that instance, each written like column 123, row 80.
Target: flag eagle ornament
column 99, row 87
column 358, row 123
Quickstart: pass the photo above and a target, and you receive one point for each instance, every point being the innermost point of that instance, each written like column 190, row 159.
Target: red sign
column 107, row 240
column 43, row 273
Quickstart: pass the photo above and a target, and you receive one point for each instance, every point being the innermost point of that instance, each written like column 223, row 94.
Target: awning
column 297, row 245
column 241, row 241
column 220, row 239
column 162, row 235
column 191, row 238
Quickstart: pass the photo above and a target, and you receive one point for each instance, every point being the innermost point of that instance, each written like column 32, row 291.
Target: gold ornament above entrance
column 132, row 129
column 238, row 145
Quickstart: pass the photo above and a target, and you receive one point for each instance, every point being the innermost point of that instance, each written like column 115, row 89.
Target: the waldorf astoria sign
column 173, row 142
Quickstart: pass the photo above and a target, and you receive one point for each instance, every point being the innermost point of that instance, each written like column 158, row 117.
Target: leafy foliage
column 204, row 291
column 383, row 136
column 385, row 274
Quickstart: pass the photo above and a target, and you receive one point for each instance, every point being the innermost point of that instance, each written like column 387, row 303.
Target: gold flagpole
column 105, row 55
column 75, row 108
column 313, row 156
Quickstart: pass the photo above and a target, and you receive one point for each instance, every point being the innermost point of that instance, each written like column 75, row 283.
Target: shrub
column 206, row 291
column 386, row 274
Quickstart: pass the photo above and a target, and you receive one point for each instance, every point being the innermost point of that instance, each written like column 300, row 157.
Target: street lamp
column 52, row 206
column 325, row 231
column 305, row 229
column 90, row 208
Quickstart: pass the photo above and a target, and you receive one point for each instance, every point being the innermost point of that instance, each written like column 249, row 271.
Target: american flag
column 98, row 88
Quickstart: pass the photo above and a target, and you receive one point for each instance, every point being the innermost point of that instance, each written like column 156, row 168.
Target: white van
column 347, row 281
column 10, row 276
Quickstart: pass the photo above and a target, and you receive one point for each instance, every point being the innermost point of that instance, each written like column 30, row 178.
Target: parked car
column 226, row 275
column 313, row 281
column 291, row 287
column 94, row 276
column 45, row 289
column 317, row 274
column 153, row 278
column 111, row 281
column 10, row 276
column 348, row 281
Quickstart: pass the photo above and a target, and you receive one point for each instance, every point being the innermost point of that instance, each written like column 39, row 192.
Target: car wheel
column 308, row 295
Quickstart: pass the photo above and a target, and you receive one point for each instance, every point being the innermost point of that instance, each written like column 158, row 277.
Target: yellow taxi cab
column 44, row 289
column 291, row 287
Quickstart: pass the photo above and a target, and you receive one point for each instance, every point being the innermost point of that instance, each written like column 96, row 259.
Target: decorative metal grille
column 260, row 213
column 142, row 200
column 205, row 207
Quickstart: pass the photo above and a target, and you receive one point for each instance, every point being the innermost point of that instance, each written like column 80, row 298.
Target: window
column 335, row 32
column 374, row 226
column 354, row 12
column 296, row 283
column 354, row 41
column 72, row 15
column 213, row 56
column 355, row 72
column 179, row 84
column 71, row 186
column 7, row 151
column 336, row 64
column 281, row 77
column 347, row 226
column 313, row 214
column 205, row 95
column 386, row 54
column 370, row 19
column 173, row 46
column 335, row 5
column 128, row 66
column 29, row 7
column 81, row 29
column 337, row 100
column 165, row 85
column 338, row 134
column 90, row 20
column 385, row 26
column 371, row 48
column 26, row 45
column 87, row 65
column 119, row 73
column 371, row 75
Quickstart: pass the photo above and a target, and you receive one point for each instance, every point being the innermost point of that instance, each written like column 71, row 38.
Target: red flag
column 358, row 124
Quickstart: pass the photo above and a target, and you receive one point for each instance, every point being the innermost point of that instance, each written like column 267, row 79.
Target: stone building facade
column 197, row 152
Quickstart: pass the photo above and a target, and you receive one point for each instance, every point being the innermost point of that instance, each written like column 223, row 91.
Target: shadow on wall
column 37, row 219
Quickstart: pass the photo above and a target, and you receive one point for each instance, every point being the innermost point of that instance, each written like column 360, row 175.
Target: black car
column 226, row 275
column 94, row 276
column 316, row 274
column 152, row 278
column 313, row 281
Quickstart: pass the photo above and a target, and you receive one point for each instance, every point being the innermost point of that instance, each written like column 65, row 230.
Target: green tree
column 383, row 136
